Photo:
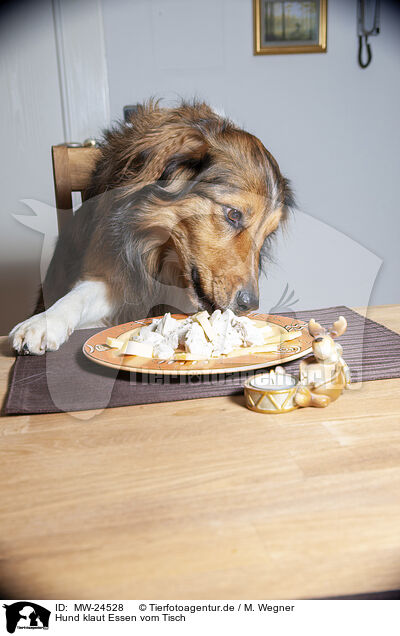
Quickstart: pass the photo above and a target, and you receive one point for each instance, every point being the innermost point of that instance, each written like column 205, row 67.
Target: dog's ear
column 173, row 151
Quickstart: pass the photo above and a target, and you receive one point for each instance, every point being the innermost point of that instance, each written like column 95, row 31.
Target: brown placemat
column 65, row 380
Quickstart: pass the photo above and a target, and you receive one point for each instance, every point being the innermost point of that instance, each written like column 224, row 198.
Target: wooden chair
column 72, row 168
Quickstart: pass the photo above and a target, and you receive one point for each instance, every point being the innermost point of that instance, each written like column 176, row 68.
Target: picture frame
column 281, row 27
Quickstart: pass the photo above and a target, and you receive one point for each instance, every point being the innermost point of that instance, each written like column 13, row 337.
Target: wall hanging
column 289, row 27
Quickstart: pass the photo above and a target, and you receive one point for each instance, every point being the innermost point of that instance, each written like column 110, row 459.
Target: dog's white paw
column 39, row 334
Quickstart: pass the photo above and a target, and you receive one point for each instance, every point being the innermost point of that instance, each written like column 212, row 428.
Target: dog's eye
column 234, row 217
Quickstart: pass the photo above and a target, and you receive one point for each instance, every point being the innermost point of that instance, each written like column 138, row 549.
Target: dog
column 181, row 200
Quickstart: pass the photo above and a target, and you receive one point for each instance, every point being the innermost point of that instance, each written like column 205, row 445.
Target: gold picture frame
column 289, row 27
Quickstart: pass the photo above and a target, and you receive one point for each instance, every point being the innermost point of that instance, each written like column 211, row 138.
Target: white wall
column 53, row 88
column 30, row 122
column 333, row 127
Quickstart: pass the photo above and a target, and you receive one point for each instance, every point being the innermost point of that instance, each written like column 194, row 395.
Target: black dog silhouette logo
column 26, row 615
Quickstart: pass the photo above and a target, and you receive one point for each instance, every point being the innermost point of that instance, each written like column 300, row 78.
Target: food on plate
column 114, row 343
column 143, row 349
column 201, row 337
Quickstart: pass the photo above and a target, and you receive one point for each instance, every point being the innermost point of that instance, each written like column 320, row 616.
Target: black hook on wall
column 360, row 51
column 364, row 7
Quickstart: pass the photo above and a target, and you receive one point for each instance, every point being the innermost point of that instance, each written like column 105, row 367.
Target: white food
column 114, row 343
column 201, row 336
column 196, row 343
column 249, row 333
column 163, row 350
column 145, row 331
column 166, row 325
column 227, row 336
column 143, row 349
column 151, row 337
column 203, row 319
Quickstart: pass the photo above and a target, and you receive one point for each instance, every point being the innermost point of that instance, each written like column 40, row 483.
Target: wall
column 30, row 122
column 53, row 88
column 332, row 126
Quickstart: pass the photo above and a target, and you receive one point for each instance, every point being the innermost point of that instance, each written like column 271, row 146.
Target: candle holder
column 272, row 392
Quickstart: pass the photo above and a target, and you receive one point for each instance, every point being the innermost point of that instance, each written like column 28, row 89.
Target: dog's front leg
column 85, row 304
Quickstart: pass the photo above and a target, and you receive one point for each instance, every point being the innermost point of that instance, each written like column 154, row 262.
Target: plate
column 95, row 349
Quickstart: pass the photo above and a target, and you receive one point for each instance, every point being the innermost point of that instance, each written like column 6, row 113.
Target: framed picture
column 289, row 27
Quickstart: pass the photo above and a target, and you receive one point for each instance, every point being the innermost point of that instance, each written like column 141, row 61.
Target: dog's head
column 207, row 195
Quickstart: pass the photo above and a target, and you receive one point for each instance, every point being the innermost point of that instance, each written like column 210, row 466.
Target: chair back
column 72, row 169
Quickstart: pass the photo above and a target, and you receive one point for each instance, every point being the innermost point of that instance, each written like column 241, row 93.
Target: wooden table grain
column 204, row 499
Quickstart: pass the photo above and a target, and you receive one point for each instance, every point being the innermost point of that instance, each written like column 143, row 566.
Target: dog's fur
column 158, row 217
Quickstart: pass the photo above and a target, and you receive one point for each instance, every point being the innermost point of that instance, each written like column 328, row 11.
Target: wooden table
column 204, row 499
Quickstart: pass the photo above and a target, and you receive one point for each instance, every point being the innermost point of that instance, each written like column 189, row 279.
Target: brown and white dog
column 180, row 199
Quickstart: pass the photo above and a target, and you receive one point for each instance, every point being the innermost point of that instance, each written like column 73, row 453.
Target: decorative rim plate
column 95, row 349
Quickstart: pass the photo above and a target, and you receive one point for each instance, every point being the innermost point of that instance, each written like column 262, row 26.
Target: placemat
column 65, row 380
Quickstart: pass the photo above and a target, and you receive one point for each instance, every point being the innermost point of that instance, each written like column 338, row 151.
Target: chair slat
column 72, row 169
column 81, row 164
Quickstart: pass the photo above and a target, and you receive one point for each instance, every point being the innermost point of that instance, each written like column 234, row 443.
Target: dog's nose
column 246, row 299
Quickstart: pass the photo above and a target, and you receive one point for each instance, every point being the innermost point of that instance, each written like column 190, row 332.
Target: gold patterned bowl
column 266, row 396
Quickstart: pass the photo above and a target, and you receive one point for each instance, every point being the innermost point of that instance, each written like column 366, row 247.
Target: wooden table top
column 203, row 499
